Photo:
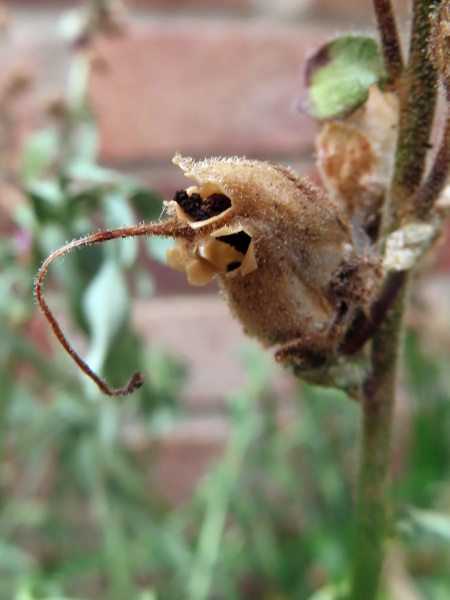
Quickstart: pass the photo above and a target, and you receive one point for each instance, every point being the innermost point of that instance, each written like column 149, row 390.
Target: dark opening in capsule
column 201, row 209
column 239, row 241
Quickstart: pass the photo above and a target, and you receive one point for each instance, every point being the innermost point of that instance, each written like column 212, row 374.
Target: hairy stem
column 164, row 228
column 365, row 327
column 427, row 195
column 377, row 413
column 390, row 42
column 417, row 89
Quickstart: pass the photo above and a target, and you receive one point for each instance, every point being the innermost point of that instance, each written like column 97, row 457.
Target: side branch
column 165, row 228
column 365, row 327
column 390, row 41
column 427, row 195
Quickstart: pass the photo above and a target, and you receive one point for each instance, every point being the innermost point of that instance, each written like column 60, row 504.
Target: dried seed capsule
column 275, row 245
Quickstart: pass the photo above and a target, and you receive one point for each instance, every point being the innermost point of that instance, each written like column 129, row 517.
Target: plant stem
column 389, row 39
column 427, row 195
column 377, row 413
column 364, row 328
column 417, row 89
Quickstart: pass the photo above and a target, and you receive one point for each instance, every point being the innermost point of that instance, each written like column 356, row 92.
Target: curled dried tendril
column 137, row 379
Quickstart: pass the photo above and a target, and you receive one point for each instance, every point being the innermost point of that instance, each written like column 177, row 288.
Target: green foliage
column 82, row 517
column 340, row 74
column 72, row 489
column 87, row 520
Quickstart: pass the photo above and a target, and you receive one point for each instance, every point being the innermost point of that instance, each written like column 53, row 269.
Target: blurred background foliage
column 80, row 514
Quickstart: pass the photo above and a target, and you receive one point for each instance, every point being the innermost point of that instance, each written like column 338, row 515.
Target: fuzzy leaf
column 339, row 75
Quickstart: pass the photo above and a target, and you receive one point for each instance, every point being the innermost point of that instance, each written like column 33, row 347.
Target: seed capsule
column 276, row 247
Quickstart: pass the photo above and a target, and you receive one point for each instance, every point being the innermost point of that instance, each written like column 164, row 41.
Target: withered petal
column 199, row 272
column 177, row 257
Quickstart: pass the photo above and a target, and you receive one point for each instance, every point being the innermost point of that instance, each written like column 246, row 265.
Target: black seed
column 216, row 204
column 239, row 241
column 199, row 209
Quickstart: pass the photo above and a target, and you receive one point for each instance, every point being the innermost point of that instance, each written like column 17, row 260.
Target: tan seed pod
column 276, row 247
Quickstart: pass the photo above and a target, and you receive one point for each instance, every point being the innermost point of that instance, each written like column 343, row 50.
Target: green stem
column 220, row 490
column 417, row 89
column 377, row 413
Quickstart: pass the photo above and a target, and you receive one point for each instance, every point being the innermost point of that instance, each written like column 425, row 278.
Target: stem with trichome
column 377, row 417
column 417, row 91
column 390, row 42
column 416, row 88
column 427, row 195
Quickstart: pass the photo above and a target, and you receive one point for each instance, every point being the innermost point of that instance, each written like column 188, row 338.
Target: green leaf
column 124, row 357
column 92, row 174
column 85, row 140
column 147, row 595
column 148, row 204
column 39, row 152
column 340, row 74
column 14, row 558
column 331, row 592
column 106, row 308
column 118, row 214
column 47, row 199
column 432, row 522
column 157, row 248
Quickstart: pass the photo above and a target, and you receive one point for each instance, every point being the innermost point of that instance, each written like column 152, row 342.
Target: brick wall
column 203, row 77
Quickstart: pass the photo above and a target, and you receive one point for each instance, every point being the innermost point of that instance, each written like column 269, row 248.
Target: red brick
column 361, row 9
column 187, row 453
column 17, row 94
column 201, row 332
column 202, row 88
column 187, row 5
